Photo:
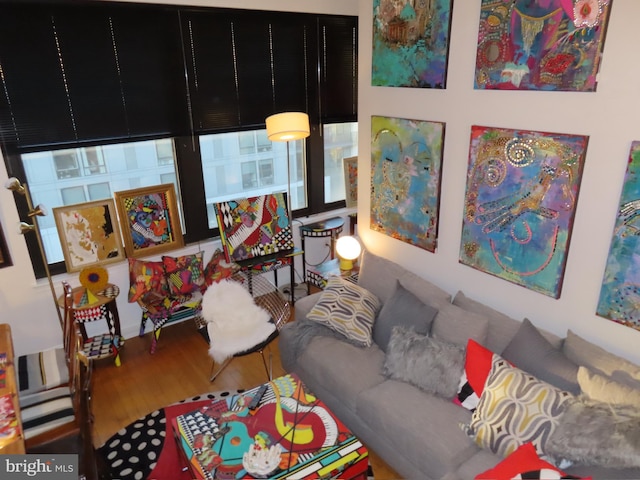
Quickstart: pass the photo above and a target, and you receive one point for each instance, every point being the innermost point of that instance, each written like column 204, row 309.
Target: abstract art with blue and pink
column 410, row 43
column 540, row 45
column 620, row 293
column 406, row 169
column 520, row 200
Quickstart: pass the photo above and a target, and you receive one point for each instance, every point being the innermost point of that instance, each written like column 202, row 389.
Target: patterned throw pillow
column 184, row 274
column 348, row 309
column 147, row 282
column 524, row 463
column 218, row 268
column 477, row 366
column 515, row 408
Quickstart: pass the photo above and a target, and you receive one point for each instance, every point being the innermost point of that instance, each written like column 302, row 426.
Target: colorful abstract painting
column 540, row 45
column 406, row 169
column 620, row 293
column 254, row 227
column 410, row 43
column 521, row 194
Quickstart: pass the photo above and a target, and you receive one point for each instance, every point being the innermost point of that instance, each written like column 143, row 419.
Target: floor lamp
column 287, row 127
column 15, row 186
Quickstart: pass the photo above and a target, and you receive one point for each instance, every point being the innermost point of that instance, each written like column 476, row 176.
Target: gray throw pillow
column 456, row 325
column 592, row 433
column 531, row 352
column 402, row 309
column 427, row 363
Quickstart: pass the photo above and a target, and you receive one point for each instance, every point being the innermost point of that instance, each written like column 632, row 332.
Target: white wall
column 27, row 304
column 608, row 117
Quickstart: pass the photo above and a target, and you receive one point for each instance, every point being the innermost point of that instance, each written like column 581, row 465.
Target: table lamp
column 348, row 249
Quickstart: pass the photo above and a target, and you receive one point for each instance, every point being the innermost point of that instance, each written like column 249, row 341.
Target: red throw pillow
column 524, row 463
column 218, row 268
column 147, row 282
column 184, row 274
column 477, row 366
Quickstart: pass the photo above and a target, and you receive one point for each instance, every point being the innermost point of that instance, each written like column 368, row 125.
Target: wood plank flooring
column 179, row 369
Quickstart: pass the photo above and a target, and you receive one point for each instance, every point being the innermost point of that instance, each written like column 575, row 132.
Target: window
column 149, row 126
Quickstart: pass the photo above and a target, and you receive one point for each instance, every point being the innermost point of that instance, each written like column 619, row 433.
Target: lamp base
column 346, row 265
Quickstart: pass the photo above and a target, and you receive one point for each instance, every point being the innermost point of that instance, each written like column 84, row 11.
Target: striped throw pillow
column 348, row 309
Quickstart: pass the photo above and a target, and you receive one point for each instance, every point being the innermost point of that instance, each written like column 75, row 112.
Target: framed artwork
column 89, row 234
column 620, row 293
column 350, row 165
column 410, row 43
column 5, row 258
column 406, row 170
column 521, row 193
column 543, row 45
column 149, row 220
column 254, row 227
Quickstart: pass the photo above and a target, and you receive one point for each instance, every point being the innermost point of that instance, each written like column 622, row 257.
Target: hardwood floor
column 179, row 369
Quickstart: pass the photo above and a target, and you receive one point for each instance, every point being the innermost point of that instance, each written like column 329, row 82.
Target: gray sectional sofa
column 417, row 433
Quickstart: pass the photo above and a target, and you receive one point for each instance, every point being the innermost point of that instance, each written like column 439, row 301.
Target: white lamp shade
column 283, row 127
column 348, row 248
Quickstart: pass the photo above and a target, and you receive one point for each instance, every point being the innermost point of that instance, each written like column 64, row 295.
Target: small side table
column 104, row 308
column 331, row 227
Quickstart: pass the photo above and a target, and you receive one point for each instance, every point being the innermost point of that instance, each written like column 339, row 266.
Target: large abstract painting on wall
column 620, row 293
column 410, row 43
column 406, row 167
column 541, row 45
column 521, row 193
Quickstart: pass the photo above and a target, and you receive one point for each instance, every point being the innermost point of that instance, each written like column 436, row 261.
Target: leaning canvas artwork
column 406, row 170
column 541, row 45
column 410, row 43
column 620, row 293
column 254, row 227
column 521, row 194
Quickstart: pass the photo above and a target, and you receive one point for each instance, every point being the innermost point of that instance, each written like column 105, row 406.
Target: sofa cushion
column 184, row 274
column 422, row 426
column 583, row 352
column 603, row 389
column 378, row 275
column 592, row 433
column 531, row 352
column 402, row 309
column 347, row 308
column 342, row 367
column 515, row 408
column 502, row 328
column 456, row 325
column 42, row 370
column 427, row 363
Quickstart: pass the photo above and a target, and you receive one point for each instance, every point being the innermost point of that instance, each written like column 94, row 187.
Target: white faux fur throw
column 234, row 322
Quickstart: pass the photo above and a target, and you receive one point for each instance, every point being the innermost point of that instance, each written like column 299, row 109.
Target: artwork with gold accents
column 406, row 169
column 542, row 45
column 410, row 43
column 520, row 200
column 620, row 293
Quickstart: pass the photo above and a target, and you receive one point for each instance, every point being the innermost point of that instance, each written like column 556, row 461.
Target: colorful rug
column 139, row 450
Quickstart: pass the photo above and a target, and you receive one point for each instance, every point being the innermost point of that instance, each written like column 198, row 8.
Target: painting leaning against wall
column 410, row 43
column 406, row 171
column 620, row 293
column 522, row 189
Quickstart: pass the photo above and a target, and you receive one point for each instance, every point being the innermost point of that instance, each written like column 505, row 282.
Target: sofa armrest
column 305, row 304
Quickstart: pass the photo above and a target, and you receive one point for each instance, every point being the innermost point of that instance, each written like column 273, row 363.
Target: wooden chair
column 59, row 420
column 268, row 297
